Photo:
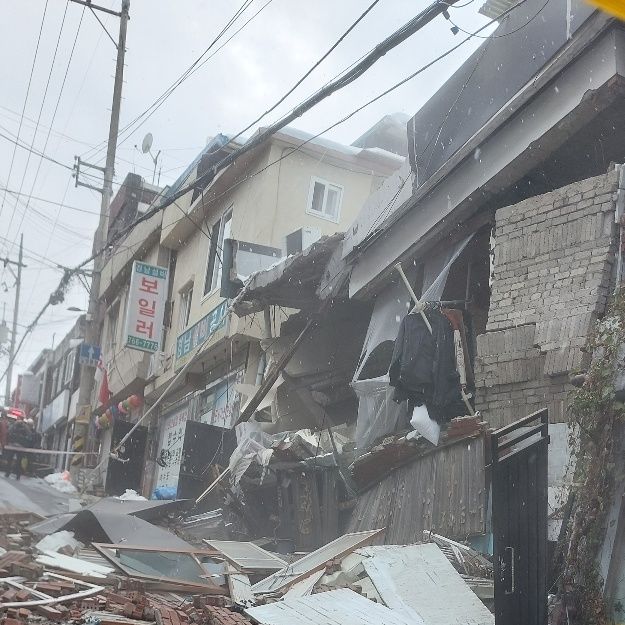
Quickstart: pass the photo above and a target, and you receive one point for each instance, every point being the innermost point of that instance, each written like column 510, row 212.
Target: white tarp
column 378, row 414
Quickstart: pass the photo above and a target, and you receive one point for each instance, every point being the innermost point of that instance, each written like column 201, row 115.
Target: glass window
column 325, row 199
column 186, row 298
column 221, row 230
column 319, row 190
column 69, row 367
column 113, row 316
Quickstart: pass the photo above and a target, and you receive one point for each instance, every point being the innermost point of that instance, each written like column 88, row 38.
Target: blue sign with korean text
column 200, row 332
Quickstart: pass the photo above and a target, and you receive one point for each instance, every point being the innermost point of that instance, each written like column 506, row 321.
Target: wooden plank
column 315, row 561
column 241, row 589
column 304, row 587
column 272, row 375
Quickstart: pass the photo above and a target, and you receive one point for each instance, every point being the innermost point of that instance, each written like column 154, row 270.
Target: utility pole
column 18, row 285
column 93, row 320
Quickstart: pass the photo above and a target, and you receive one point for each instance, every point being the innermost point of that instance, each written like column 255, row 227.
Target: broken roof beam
column 272, row 375
column 291, row 283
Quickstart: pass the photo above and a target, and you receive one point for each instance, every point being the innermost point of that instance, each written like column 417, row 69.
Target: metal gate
column 519, row 514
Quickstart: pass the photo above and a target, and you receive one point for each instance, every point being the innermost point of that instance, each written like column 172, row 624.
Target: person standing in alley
column 29, row 457
column 4, row 430
column 20, row 436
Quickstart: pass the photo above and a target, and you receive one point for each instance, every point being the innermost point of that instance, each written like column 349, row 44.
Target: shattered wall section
column 552, row 275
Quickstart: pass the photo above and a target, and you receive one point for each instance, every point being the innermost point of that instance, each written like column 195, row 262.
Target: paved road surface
column 31, row 495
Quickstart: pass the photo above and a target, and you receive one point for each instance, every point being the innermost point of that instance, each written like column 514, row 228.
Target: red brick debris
column 131, row 606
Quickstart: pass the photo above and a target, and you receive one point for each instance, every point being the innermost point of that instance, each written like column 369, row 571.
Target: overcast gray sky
column 164, row 37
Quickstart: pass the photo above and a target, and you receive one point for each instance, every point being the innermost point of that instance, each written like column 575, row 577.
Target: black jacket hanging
column 423, row 366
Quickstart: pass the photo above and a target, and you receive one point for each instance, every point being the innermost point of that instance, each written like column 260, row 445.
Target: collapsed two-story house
column 508, row 211
column 274, row 202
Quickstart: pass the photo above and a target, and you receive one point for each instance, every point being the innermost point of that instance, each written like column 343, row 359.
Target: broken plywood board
column 74, row 565
column 337, row 607
column 247, row 556
column 314, row 561
column 241, row 589
column 304, row 587
column 419, row 582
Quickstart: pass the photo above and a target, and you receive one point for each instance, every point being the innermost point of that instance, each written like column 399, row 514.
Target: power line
column 309, row 72
column 30, row 78
column 41, row 199
column 512, row 32
column 169, row 200
column 56, row 108
column 392, row 41
column 18, row 144
column 37, row 256
column 68, row 229
column 43, row 101
column 66, row 137
column 223, row 45
column 176, row 82
column 59, row 293
column 58, row 133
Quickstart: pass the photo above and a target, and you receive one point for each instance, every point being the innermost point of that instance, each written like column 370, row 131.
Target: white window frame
column 217, row 268
column 113, row 325
column 69, row 366
column 184, row 308
column 322, row 214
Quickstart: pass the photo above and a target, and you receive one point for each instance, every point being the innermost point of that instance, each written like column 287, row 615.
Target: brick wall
column 552, row 275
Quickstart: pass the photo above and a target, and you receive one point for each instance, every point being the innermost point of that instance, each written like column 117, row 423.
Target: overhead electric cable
column 56, row 108
column 308, row 73
column 169, row 90
column 30, row 78
column 54, row 203
column 35, row 152
column 391, row 42
column 223, row 45
column 59, row 292
column 43, row 101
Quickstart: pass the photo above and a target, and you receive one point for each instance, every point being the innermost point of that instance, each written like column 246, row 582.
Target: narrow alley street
column 31, row 494
column 312, row 313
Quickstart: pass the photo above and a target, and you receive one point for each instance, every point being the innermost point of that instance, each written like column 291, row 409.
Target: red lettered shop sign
column 146, row 307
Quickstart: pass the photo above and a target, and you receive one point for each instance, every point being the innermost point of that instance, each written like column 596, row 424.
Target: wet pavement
column 32, row 495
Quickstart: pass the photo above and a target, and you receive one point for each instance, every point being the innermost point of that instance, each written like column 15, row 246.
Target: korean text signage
column 172, row 442
column 200, row 332
column 146, row 307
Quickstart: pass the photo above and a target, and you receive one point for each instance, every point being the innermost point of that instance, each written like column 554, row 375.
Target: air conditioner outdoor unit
column 299, row 240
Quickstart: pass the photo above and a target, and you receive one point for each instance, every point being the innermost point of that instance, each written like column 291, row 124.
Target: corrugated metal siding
column 444, row 491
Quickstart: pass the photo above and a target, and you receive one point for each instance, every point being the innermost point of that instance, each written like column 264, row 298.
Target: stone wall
column 552, row 276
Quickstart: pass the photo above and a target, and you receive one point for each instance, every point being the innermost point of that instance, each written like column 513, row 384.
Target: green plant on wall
column 596, row 415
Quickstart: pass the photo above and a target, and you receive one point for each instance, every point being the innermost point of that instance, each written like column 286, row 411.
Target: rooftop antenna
column 146, row 148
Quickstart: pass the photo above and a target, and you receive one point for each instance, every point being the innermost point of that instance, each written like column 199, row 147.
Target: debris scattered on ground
column 63, row 542
column 61, row 482
column 150, row 575
column 131, row 495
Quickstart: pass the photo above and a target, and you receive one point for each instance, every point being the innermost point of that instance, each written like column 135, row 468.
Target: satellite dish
column 146, row 146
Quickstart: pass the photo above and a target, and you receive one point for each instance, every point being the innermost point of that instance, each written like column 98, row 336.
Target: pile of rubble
column 79, row 568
